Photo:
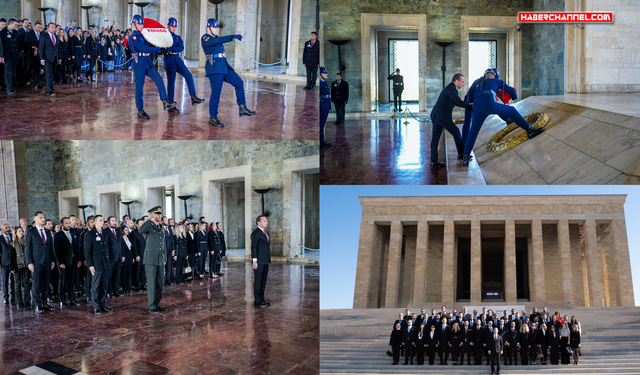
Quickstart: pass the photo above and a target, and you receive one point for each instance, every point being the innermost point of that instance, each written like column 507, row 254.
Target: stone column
column 594, row 263
column 421, row 263
column 510, row 280
column 447, row 263
column 248, row 26
column 363, row 270
column 393, row 265
column 620, row 250
column 476, row 262
column 564, row 247
column 538, row 261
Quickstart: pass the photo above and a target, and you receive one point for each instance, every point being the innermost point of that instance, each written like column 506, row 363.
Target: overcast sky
column 340, row 212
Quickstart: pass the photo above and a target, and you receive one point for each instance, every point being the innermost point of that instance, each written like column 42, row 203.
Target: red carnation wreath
column 156, row 34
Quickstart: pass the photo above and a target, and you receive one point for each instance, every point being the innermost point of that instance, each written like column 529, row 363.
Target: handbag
column 187, row 269
column 569, row 350
column 389, row 353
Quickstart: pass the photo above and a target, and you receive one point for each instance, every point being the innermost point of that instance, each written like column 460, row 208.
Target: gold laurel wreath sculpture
column 537, row 120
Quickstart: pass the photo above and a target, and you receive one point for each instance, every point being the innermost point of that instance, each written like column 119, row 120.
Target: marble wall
column 548, row 51
column 40, row 178
column 10, row 9
column 341, row 20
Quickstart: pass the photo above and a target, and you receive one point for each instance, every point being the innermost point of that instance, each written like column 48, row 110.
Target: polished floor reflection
column 380, row 152
column 212, row 328
column 106, row 110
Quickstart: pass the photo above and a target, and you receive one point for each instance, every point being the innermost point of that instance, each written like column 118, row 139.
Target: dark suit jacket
column 553, row 341
column 5, row 248
column 181, row 246
column 431, row 342
column 91, row 46
column 396, row 338
column 223, row 244
column 137, row 239
column 96, row 250
column 409, row 337
column 192, row 247
column 448, row 99
column 169, row 242
column 466, row 337
column 115, row 243
column 494, row 345
column 213, row 241
column 10, row 45
column 543, row 338
column 260, row 247
column 403, row 323
column 202, row 245
column 48, row 52
column 511, row 337
column 127, row 252
column 35, row 250
column 477, row 335
column 340, row 93
column 443, row 335
column 311, row 54
column 66, row 252
column 31, row 40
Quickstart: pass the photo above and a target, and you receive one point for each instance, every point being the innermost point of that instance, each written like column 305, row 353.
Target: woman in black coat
column 523, row 344
column 554, row 345
column 421, row 342
column 203, row 248
column 180, row 239
column 77, row 53
column 455, row 342
column 395, row 342
column 533, row 342
column 575, row 343
column 61, row 69
column 192, row 251
column 432, row 344
column 127, row 263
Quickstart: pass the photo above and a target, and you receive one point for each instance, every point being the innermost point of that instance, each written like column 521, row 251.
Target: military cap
column 155, row 210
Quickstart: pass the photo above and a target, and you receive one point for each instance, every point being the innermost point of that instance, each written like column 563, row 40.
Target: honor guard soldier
column 141, row 52
column 10, row 51
column 219, row 71
column 311, row 60
column 340, row 97
column 173, row 63
column 155, row 258
column 398, row 88
column 325, row 105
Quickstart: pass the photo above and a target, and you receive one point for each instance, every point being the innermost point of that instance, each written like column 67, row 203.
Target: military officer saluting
column 155, row 258
column 173, row 63
column 141, row 52
column 218, row 71
column 398, row 88
column 325, row 105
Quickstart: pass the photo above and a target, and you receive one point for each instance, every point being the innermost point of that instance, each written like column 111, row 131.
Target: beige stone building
column 569, row 250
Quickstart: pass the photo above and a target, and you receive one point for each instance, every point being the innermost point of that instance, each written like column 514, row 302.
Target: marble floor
column 380, row 152
column 212, row 327
column 106, row 111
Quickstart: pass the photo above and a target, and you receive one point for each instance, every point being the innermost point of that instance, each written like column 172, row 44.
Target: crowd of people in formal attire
column 45, row 264
column 535, row 336
column 30, row 52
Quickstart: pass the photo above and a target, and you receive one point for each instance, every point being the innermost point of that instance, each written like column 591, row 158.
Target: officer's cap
column 155, row 210
column 323, row 70
column 397, row 69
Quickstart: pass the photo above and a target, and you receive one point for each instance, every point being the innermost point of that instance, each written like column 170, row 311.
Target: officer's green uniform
column 155, row 257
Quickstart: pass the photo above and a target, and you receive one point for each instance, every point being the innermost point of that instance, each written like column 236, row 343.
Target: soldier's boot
column 465, row 160
column 174, row 110
column 166, row 104
column 532, row 132
column 213, row 121
column 195, row 100
column 244, row 111
column 143, row 114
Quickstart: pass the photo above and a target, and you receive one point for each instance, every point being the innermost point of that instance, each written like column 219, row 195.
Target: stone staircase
column 355, row 342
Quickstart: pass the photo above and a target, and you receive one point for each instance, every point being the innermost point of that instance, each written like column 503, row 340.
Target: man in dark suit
column 66, row 246
column 339, row 97
column 10, row 42
column 96, row 249
column 543, row 342
column 92, row 46
column 40, row 260
column 139, row 243
column 444, row 335
column 401, row 320
column 5, row 260
column 409, row 338
column 32, row 45
column 422, row 319
column 222, row 242
column 261, row 256
column 215, row 250
column 115, row 256
column 494, row 347
column 88, row 277
column 466, row 339
column 49, row 55
column 171, row 250
column 477, row 342
column 441, row 118
column 311, row 60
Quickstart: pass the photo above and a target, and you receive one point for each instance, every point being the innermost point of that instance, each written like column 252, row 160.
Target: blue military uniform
column 325, row 105
column 218, row 71
column 173, row 64
column 143, row 65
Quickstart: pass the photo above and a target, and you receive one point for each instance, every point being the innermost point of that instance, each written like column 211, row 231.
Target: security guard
column 218, row 70
column 398, row 88
column 325, row 105
column 143, row 65
column 10, row 47
column 155, row 258
column 92, row 48
column 173, row 63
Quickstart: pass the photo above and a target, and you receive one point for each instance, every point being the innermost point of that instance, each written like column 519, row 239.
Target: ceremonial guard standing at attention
column 141, row 52
column 92, row 48
column 218, row 71
column 173, row 63
column 96, row 251
column 9, row 40
column 325, row 105
column 398, row 88
column 311, row 60
column 155, row 257
column 340, row 97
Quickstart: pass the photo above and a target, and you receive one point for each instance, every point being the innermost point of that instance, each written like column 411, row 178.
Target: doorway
column 492, row 248
column 403, row 55
column 482, row 56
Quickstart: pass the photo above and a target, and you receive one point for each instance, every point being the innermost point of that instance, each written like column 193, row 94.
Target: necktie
column 114, row 234
column 53, row 40
column 495, row 337
column 44, row 241
column 68, row 236
column 266, row 234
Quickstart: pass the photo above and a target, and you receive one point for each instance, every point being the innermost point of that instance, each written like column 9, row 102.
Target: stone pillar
column 620, row 250
column 393, row 265
column 247, row 25
column 538, row 261
column 594, row 263
column 447, row 263
column 419, row 278
column 363, row 271
column 510, row 280
column 476, row 262
column 564, row 246
column 606, row 277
